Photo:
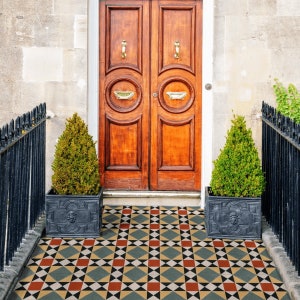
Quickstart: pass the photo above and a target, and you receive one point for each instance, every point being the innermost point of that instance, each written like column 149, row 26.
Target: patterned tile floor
column 150, row 253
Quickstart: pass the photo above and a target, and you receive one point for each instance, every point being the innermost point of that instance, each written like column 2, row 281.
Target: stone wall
column 255, row 41
column 43, row 58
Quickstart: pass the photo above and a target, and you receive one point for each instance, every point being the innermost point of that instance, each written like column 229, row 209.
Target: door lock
column 155, row 94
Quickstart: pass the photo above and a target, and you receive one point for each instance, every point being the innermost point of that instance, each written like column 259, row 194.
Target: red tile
column 121, row 243
column 258, row 263
column 189, row 263
column 218, row 244
column 250, row 244
column 182, row 212
column 186, row 244
column 267, row 287
column 126, row 211
column 55, row 242
column 153, row 286
column 154, row 211
column 46, row 262
column 118, row 262
column 124, row 226
column 192, row 286
column 115, row 286
column 229, row 287
column 154, row 243
column 223, row 263
column 82, row 262
column 75, row 286
column 35, row 286
column 89, row 243
column 154, row 226
column 184, row 226
column 154, row 263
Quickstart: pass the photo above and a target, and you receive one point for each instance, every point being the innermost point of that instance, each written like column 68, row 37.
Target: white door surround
column 207, row 77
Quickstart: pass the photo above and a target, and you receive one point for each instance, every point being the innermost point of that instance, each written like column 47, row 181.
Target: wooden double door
column 150, row 94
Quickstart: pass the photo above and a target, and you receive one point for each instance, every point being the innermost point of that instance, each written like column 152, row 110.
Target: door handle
column 124, row 44
column 176, row 95
column 177, row 49
column 124, row 95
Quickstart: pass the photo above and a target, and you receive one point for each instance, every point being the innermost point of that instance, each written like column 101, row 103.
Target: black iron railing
column 281, row 164
column 22, row 179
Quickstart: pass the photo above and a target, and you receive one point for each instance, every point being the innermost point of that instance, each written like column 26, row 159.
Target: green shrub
column 237, row 170
column 75, row 164
column 288, row 100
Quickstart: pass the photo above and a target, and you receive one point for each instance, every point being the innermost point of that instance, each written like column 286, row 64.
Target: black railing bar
column 284, row 135
column 18, row 138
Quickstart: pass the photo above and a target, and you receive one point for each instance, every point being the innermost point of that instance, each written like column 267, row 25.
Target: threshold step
column 150, row 198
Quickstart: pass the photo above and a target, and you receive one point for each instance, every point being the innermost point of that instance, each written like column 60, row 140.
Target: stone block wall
column 255, row 41
column 44, row 58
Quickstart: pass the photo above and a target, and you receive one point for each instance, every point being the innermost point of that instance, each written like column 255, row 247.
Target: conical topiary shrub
column 75, row 165
column 237, row 170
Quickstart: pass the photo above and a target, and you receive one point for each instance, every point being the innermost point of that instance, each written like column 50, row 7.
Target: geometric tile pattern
column 150, row 253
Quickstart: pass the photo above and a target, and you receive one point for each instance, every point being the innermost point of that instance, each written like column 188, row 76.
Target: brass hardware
column 155, row 95
column 124, row 95
column 177, row 49
column 176, row 95
column 124, row 44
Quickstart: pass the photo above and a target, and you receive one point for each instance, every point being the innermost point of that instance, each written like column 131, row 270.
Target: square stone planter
column 73, row 215
column 232, row 218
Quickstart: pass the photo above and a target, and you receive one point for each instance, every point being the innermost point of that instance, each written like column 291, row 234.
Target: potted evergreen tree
column 233, row 200
column 74, row 203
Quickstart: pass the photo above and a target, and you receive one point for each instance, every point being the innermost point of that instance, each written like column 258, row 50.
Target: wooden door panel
column 124, row 94
column 150, row 94
column 129, row 136
column 176, row 145
column 176, row 84
column 125, row 25
column 177, row 24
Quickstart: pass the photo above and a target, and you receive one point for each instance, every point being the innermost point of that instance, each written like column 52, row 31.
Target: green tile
column 244, row 274
column 103, row 252
column 237, row 253
column 171, row 252
column 60, row 273
column 97, row 274
column 138, row 233
column 137, row 252
column 68, row 252
column 133, row 296
column 252, row 296
column 140, row 219
column 170, row 234
column 173, row 296
column 204, row 253
column 170, row 219
column 135, row 274
column 172, row 274
column 93, row 296
column 208, row 274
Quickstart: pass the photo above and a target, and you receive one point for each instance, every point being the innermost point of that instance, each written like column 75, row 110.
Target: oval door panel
column 123, row 94
column 176, row 95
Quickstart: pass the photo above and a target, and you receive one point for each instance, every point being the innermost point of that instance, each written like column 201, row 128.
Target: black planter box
column 73, row 215
column 232, row 218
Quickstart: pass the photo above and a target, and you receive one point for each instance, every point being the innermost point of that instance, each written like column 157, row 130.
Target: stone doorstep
column 149, row 198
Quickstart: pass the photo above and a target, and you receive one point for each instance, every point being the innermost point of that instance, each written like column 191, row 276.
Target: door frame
column 207, row 78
